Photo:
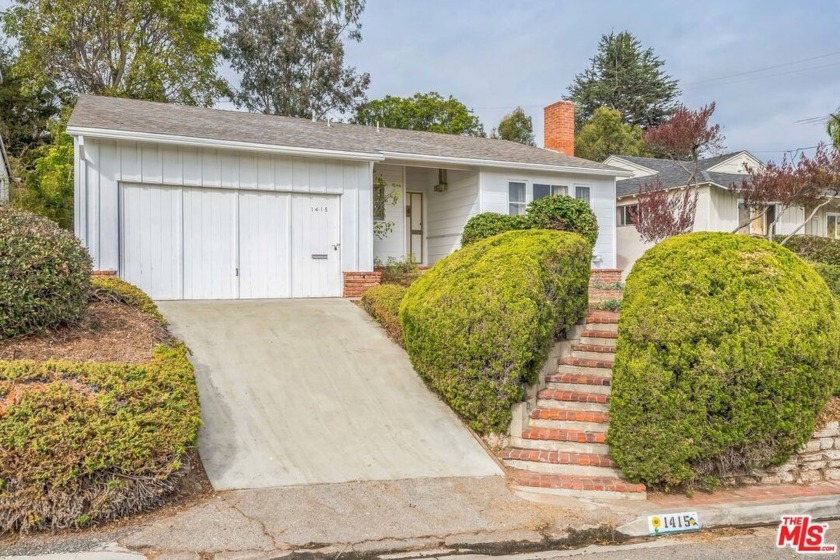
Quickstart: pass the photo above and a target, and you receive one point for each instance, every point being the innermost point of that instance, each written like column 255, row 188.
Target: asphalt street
column 741, row 544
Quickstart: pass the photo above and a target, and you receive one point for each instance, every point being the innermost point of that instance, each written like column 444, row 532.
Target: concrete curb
column 745, row 515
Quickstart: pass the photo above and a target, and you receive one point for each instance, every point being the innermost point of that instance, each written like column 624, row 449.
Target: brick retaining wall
column 355, row 283
column 818, row 460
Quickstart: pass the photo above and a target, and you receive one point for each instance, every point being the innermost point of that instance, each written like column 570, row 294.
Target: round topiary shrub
column 728, row 349
column 482, row 226
column 563, row 213
column 44, row 274
column 479, row 324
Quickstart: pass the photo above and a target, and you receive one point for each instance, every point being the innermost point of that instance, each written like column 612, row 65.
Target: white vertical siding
column 109, row 163
column 392, row 245
column 449, row 211
column 265, row 245
column 494, row 198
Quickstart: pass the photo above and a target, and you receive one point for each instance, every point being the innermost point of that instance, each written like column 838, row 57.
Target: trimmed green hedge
column 564, row 213
column 383, row 304
column 561, row 213
column 728, row 349
column 104, row 288
column 479, row 324
column 81, row 443
column 44, row 274
column 813, row 248
column 831, row 275
column 482, row 226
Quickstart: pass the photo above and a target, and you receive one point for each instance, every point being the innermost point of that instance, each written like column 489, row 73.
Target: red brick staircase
column 559, row 448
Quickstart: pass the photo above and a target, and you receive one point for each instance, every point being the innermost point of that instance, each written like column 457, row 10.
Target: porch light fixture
column 442, row 185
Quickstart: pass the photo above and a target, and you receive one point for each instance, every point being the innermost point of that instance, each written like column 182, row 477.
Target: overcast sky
column 767, row 64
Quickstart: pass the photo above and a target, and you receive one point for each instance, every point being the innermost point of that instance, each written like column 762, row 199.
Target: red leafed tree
column 683, row 139
column 810, row 183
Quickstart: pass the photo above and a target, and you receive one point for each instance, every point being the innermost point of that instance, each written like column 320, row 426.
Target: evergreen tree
column 516, row 126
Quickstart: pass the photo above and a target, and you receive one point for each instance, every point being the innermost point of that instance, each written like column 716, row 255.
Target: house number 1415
column 319, row 208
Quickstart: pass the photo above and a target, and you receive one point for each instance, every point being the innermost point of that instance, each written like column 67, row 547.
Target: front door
column 415, row 218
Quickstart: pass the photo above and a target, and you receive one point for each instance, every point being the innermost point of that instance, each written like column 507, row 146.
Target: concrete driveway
column 311, row 391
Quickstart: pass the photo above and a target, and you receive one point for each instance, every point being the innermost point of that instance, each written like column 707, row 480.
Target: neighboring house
column 192, row 203
column 5, row 174
column 718, row 208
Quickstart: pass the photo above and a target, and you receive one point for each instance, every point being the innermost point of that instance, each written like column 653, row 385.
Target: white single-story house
column 194, row 203
column 718, row 208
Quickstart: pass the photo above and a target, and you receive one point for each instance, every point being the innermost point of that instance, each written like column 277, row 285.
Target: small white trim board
column 662, row 523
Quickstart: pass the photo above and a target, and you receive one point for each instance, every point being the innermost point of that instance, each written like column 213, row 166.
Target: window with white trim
column 759, row 223
column 832, row 222
column 626, row 215
column 379, row 203
column 542, row 190
column 582, row 193
column 516, row 198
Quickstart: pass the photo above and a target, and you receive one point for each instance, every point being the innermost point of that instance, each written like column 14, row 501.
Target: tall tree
column 683, row 139
column 833, row 129
column 422, row 111
column 25, row 113
column 290, row 56
column 143, row 49
column 627, row 77
column 516, row 126
column 607, row 134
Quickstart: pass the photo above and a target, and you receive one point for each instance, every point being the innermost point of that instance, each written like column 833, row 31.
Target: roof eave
column 132, row 136
column 420, row 158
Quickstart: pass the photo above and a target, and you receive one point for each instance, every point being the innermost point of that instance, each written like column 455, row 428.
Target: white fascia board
column 444, row 160
column 111, row 134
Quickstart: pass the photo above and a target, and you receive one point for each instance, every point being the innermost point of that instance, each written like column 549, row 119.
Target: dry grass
column 108, row 332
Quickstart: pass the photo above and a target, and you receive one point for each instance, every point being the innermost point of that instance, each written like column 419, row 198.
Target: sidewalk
column 373, row 519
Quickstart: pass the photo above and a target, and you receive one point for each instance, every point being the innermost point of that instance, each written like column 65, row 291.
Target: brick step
column 603, row 317
column 562, row 446
column 571, row 383
column 564, row 419
column 600, row 347
column 578, row 436
column 583, row 370
column 587, row 363
column 593, row 416
column 580, row 379
column 554, row 462
column 600, row 294
column 571, row 401
column 583, row 486
column 608, row 356
column 598, row 336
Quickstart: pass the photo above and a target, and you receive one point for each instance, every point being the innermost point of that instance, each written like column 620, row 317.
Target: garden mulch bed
column 108, row 332
column 831, row 412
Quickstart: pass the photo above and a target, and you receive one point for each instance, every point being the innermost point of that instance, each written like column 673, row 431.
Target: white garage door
column 191, row 243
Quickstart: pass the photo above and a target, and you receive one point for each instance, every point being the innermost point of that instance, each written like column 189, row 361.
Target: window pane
column 770, row 217
column 557, row 190
column 582, row 193
column 833, row 230
column 541, row 191
column 516, row 209
column 516, row 192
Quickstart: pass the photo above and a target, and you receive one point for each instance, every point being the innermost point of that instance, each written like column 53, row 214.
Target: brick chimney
column 559, row 129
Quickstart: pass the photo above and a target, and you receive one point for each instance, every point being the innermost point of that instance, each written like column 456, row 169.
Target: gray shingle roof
column 159, row 118
column 673, row 175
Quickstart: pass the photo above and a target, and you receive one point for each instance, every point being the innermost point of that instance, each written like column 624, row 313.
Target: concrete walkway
column 311, row 391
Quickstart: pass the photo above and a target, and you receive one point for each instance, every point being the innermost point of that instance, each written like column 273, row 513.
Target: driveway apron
column 311, row 391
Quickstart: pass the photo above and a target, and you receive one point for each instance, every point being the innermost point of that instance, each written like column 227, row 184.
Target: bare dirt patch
column 831, row 412
column 108, row 332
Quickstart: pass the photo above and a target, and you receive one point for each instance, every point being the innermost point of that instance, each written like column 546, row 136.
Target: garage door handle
column 336, row 246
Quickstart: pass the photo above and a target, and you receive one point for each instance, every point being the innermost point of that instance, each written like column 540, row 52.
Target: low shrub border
column 479, row 324
column 88, row 442
column 814, row 248
column 728, row 350
column 383, row 304
column 831, row 275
